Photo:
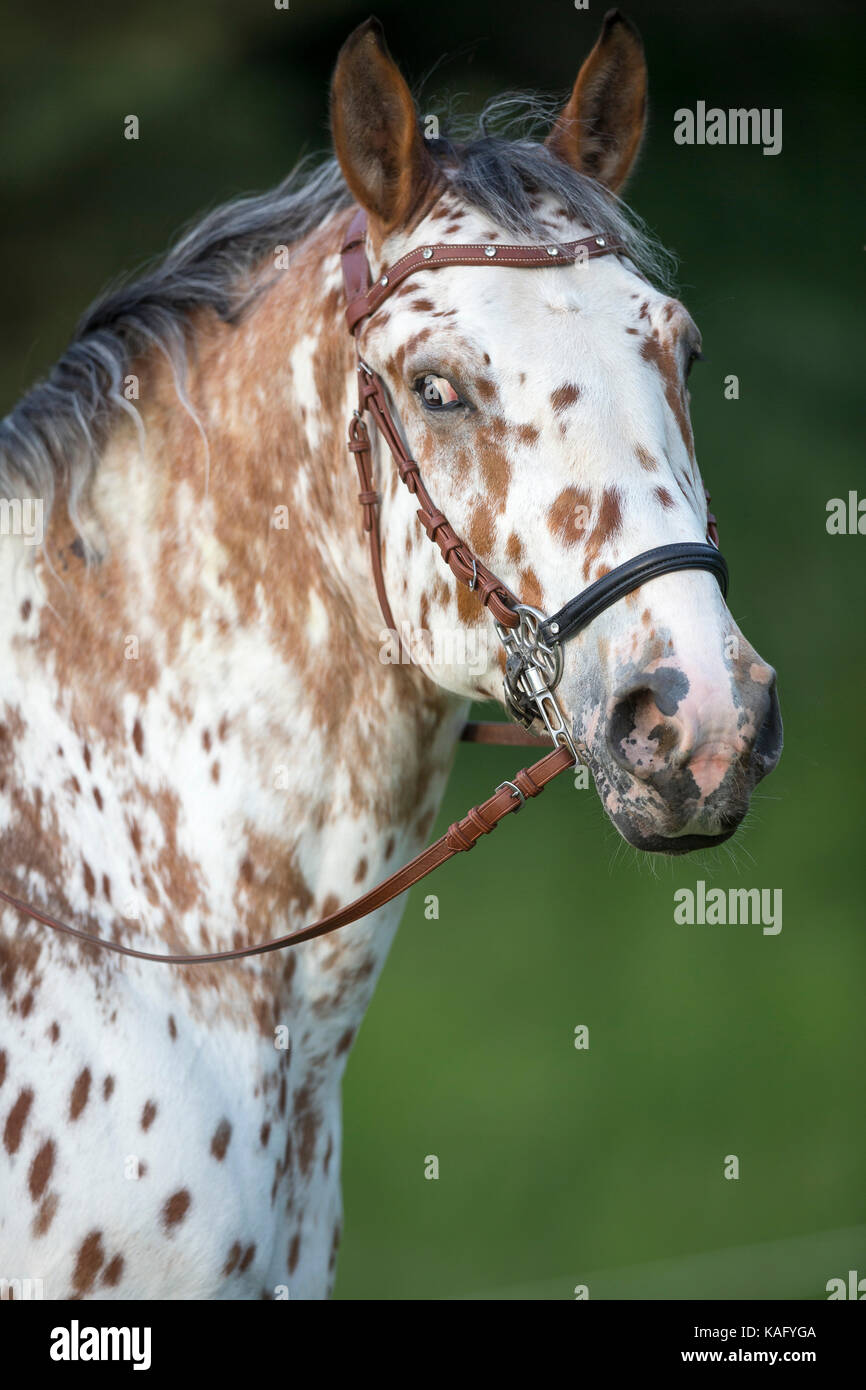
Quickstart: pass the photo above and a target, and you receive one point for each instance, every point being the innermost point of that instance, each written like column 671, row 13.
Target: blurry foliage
column 704, row 1041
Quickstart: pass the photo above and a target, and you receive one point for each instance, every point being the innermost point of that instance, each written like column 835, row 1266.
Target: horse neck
column 261, row 763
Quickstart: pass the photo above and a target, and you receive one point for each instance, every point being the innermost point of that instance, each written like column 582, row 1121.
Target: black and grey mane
column 59, row 428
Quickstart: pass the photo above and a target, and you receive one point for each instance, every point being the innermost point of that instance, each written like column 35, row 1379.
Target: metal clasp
column 533, row 669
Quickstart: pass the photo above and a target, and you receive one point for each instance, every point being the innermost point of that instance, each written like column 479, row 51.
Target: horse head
column 548, row 414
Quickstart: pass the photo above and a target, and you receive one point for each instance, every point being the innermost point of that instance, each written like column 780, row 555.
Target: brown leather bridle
column 533, row 643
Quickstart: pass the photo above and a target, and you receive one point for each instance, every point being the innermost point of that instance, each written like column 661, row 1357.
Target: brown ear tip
column 616, row 19
column 370, row 29
column 375, row 34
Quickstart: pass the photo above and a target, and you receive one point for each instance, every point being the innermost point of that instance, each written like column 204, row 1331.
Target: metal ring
column 474, row 580
column 531, row 620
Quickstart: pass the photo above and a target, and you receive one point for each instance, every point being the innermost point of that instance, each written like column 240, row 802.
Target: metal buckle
column 515, row 791
column 533, row 669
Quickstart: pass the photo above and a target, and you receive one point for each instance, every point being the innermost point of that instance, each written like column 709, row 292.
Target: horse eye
column 436, row 392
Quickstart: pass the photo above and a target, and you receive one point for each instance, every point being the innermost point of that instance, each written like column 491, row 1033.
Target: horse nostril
column 768, row 742
column 641, row 736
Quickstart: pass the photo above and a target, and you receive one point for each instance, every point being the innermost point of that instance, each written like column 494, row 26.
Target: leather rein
column 532, row 642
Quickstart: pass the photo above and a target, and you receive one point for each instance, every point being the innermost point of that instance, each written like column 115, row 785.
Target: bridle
column 533, row 643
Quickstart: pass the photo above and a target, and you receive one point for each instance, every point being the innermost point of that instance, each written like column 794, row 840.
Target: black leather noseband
column 579, row 612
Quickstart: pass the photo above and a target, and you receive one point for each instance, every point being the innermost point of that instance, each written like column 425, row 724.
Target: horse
column 205, row 738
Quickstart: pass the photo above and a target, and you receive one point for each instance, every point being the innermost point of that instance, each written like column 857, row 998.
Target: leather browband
column 364, row 301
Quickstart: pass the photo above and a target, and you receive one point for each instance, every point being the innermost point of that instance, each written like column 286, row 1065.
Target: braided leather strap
column 464, row 565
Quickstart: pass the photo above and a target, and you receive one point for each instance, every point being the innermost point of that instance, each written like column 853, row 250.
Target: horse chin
column 658, row 829
column 671, row 844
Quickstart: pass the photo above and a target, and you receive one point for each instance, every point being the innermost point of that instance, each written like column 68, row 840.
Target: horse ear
column 600, row 130
column 375, row 129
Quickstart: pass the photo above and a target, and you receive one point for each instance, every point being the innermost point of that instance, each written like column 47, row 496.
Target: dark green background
column 561, row 1167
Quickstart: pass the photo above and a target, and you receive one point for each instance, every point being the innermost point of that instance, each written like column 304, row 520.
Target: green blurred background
column 558, row 1166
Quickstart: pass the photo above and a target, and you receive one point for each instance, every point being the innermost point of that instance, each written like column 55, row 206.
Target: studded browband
column 532, row 643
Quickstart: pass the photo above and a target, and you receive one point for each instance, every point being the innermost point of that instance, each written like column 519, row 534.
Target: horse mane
column 58, row 429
